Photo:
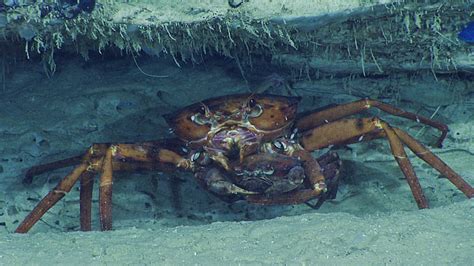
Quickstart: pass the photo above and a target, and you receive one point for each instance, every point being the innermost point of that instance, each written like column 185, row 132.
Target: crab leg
column 404, row 163
column 144, row 155
column 43, row 168
column 426, row 155
column 312, row 170
column 103, row 158
column 87, row 184
column 105, row 191
column 39, row 169
column 53, row 196
column 333, row 113
column 342, row 130
column 348, row 130
column 131, row 157
column 330, row 164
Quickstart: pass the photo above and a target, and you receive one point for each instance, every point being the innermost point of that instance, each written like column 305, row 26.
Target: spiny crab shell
column 233, row 126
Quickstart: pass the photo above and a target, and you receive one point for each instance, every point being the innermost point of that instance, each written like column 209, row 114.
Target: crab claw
column 215, row 181
column 269, row 173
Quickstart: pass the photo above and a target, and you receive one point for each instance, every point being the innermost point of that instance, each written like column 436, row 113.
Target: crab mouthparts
column 235, row 142
column 232, row 149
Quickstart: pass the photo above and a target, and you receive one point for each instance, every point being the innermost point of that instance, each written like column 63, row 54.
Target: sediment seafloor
column 60, row 100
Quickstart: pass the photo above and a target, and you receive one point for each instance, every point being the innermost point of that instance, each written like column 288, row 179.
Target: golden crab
column 252, row 147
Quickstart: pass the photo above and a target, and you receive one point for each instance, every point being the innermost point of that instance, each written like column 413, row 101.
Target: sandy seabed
column 374, row 219
column 440, row 236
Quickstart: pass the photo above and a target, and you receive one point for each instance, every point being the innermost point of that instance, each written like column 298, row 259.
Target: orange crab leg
column 105, row 191
column 52, row 197
column 347, row 131
column 340, row 131
column 423, row 153
column 141, row 160
column 103, row 158
column 405, row 165
column 169, row 144
column 312, row 169
column 39, row 169
column 333, row 113
column 87, row 184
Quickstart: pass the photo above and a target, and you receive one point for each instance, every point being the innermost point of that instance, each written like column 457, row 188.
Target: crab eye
column 202, row 110
column 252, row 103
column 202, row 116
